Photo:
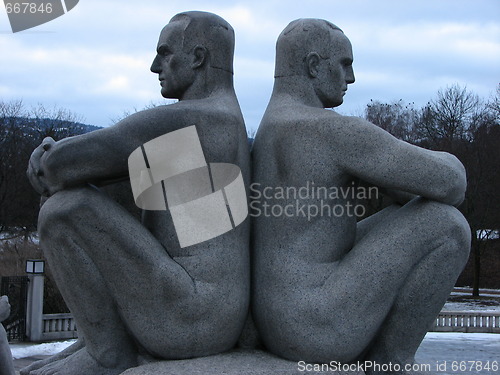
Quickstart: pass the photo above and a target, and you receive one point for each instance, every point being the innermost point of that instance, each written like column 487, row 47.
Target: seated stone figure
column 132, row 288
column 6, row 364
column 326, row 287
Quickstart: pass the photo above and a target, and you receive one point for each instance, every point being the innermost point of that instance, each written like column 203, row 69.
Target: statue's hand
column 36, row 173
column 4, row 308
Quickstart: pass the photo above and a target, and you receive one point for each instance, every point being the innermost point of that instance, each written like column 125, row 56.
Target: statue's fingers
column 47, row 143
column 35, row 176
column 35, row 159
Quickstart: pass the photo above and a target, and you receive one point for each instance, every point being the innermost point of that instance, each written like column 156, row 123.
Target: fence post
column 34, row 318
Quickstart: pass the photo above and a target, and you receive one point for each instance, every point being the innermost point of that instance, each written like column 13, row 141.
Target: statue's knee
column 62, row 207
column 461, row 233
column 449, row 223
column 453, row 222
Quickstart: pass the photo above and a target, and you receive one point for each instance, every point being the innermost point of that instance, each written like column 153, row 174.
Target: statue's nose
column 156, row 66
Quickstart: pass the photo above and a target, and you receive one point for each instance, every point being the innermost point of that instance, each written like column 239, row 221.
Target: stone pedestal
column 238, row 362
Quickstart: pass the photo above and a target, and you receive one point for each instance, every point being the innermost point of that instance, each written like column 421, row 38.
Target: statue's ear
column 312, row 64
column 200, row 55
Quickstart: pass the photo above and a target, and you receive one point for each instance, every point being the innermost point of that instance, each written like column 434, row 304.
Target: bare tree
column 55, row 122
column 450, row 117
column 397, row 118
column 12, row 144
column 151, row 104
column 494, row 104
column 459, row 122
column 21, row 130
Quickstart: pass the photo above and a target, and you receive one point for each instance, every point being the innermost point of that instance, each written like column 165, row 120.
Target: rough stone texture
column 130, row 285
column 242, row 362
column 326, row 287
column 6, row 364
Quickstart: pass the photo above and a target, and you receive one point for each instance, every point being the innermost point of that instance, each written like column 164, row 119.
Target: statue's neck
column 211, row 83
column 295, row 89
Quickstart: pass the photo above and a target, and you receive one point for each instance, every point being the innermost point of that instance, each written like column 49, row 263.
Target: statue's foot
column 79, row 363
column 57, row 357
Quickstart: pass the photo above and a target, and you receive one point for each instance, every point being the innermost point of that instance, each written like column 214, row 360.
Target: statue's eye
column 163, row 50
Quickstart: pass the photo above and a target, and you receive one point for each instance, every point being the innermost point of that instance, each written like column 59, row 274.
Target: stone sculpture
column 6, row 364
column 132, row 288
column 327, row 288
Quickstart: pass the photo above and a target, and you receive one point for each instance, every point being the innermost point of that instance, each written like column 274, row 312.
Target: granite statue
column 326, row 287
column 134, row 291
column 6, row 364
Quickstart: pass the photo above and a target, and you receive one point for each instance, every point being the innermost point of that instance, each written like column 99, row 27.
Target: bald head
column 313, row 63
column 210, row 31
column 298, row 39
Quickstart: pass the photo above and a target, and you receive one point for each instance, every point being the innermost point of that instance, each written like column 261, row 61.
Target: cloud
column 443, row 38
column 250, row 24
column 96, row 59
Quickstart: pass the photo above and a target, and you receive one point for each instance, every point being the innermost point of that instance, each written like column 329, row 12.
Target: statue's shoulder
column 167, row 110
column 182, row 111
column 348, row 124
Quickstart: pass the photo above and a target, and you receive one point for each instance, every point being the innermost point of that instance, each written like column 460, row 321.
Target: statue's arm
column 374, row 155
column 399, row 196
column 98, row 157
column 4, row 308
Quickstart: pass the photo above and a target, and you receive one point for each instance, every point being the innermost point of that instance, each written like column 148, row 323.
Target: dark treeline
column 21, row 130
column 459, row 122
column 455, row 121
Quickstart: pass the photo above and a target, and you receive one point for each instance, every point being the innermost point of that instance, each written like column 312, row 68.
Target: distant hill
column 36, row 127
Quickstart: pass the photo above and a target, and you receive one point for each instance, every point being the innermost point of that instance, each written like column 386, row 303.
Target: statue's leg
column 385, row 293
column 366, row 225
column 428, row 283
column 107, row 341
column 119, row 264
column 6, row 364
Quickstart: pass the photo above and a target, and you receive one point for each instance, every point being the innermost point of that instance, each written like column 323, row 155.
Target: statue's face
column 335, row 71
column 172, row 64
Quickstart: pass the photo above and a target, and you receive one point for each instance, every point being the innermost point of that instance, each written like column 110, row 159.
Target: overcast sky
column 95, row 59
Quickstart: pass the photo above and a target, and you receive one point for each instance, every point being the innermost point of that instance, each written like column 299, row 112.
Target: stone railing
column 62, row 326
column 58, row 327
column 460, row 321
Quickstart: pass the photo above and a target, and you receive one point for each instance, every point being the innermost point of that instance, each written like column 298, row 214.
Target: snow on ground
column 25, row 349
column 461, row 300
column 18, row 237
column 445, row 353
column 452, row 353
column 456, row 353
column 472, row 305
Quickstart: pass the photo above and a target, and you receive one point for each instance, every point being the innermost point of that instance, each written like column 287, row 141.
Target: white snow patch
column 487, row 234
column 24, row 350
column 446, row 351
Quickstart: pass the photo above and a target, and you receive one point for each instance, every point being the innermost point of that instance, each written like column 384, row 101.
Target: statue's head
column 318, row 50
column 192, row 42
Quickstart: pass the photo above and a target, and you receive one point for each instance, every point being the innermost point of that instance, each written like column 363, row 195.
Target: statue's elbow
column 457, row 187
